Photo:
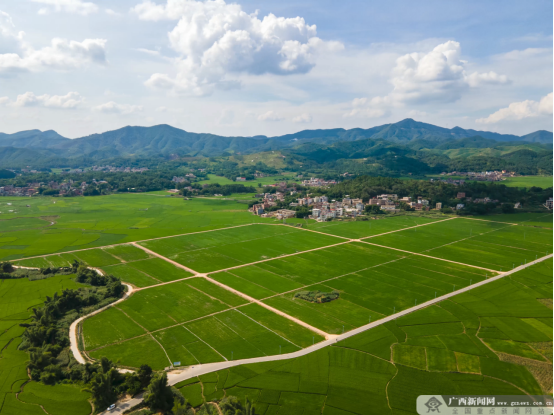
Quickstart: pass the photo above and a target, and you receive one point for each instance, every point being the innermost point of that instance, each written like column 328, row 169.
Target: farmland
column 362, row 229
column 234, row 298
column 422, row 353
column 491, row 245
column 55, row 225
column 529, row 181
column 206, row 252
column 17, row 297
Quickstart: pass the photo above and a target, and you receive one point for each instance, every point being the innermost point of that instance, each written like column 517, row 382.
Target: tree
column 145, row 375
column 373, row 209
column 507, row 208
column 159, row 396
column 231, row 405
column 102, row 390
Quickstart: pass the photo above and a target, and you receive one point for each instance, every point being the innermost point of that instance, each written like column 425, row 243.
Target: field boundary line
column 429, row 256
column 516, row 224
column 149, row 251
column 404, row 229
column 335, row 278
column 234, row 331
column 203, row 341
column 278, row 257
column 213, row 367
column 268, row 329
column 133, row 242
column 279, row 312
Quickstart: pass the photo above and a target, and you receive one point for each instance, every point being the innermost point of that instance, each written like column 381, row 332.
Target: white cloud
column 148, row 51
column 4, row 100
column 270, row 116
column 365, row 108
column 434, row 77
column 489, row 78
column 217, row 40
column 111, row 12
column 115, row 108
column 69, row 101
column 438, row 76
column 303, row 119
column 520, row 110
column 62, row 54
column 67, row 6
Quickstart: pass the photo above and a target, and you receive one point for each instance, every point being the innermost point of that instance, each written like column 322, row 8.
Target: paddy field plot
column 376, row 283
column 434, row 350
column 526, row 219
column 135, row 352
column 491, row 245
column 131, row 275
column 96, row 257
column 234, row 335
column 57, row 399
column 147, row 272
column 363, row 229
column 167, row 305
column 183, row 346
column 109, row 326
column 127, row 252
column 211, row 251
column 84, row 222
column 17, row 298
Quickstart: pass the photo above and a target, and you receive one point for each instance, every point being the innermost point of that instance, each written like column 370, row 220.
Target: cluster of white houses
column 323, row 209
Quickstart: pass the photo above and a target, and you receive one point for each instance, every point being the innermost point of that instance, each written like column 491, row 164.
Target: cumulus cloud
column 4, row 100
column 438, row 75
column 18, row 55
column 369, row 108
column 115, row 108
column 67, row 6
column 270, row 116
column 69, row 101
column 520, row 110
column 217, row 40
column 303, row 119
column 488, row 78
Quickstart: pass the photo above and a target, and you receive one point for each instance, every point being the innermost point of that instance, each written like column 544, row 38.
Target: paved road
column 178, row 376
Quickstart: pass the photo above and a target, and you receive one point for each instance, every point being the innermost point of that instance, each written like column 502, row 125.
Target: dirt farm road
column 175, row 377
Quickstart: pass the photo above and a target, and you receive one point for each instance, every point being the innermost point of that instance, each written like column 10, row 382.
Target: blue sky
column 274, row 67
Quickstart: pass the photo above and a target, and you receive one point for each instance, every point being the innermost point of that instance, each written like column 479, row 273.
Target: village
column 323, row 209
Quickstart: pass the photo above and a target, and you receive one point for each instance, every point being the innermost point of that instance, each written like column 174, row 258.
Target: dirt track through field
column 202, row 369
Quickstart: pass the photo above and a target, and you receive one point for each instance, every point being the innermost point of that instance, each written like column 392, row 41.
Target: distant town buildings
column 314, row 182
column 548, row 203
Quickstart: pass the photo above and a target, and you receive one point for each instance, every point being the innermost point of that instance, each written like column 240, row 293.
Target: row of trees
column 46, row 337
column 366, row 187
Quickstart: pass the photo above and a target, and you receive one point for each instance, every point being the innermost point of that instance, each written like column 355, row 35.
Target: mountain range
column 27, row 147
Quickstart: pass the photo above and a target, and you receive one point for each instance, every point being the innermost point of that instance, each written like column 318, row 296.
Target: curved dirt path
column 73, row 328
column 201, row 369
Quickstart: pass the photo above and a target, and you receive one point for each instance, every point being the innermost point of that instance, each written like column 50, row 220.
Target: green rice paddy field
column 529, row 181
column 17, row 297
column 469, row 344
column 211, row 251
column 54, row 225
column 492, row 245
column 495, row 339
